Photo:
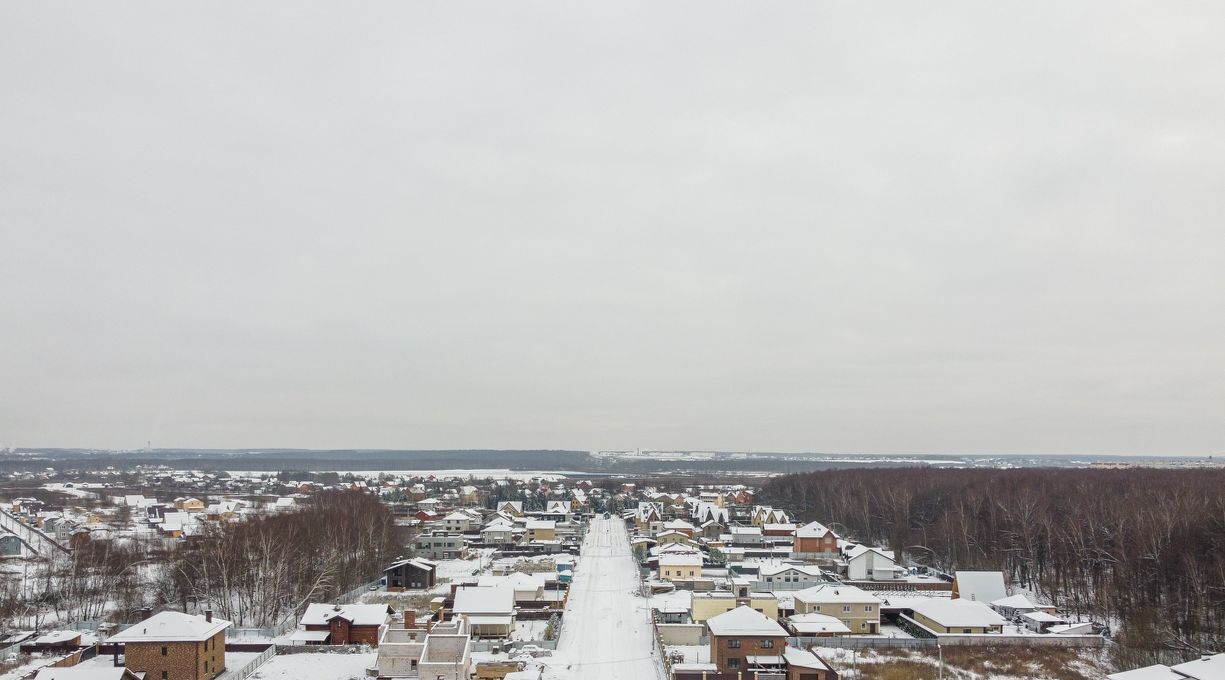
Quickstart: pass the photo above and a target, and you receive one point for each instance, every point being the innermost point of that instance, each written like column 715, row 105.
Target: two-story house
column 856, row 609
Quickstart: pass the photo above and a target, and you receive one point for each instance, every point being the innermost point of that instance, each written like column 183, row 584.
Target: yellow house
column 512, row 508
column 541, row 530
column 670, row 537
column 680, row 566
column 706, row 605
column 958, row 616
column 189, row 504
column 855, row 608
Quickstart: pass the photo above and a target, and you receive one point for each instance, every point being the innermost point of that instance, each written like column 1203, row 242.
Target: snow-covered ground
column 606, row 633
column 316, row 667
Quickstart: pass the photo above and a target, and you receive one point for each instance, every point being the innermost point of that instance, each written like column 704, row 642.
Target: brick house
column 345, row 624
column 175, row 646
column 744, row 643
column 815, row 540
column 738, row 638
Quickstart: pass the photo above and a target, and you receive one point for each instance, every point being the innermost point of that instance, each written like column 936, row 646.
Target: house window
column 733, row 644
column 965, row 630
column 733, row 663
column 867, row 608
column 164, row 651
column 767, row 644
column 165, row 675
column 846, row 609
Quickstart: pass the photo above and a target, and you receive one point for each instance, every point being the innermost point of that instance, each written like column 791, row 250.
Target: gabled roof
column 1017, row 601
column 172, row 627
column 835, row 592
column 861, row 550
column 982, row 586
column 812, row 530
column 772, row 569
column 958, row 613
column 485, row 600
column 744, row 620
column 356, row 614
column 417, row 562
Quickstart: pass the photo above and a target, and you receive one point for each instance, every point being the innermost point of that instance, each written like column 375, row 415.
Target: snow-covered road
column 606, row 632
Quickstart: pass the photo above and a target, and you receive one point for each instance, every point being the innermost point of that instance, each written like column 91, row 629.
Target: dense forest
column 1143, row 548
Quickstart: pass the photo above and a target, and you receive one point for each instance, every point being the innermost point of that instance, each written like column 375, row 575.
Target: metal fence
column 250, row 667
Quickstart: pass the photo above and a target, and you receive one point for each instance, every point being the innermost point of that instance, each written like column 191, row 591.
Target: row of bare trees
column 96, row 580
column 263, row 571
column 1143, row 547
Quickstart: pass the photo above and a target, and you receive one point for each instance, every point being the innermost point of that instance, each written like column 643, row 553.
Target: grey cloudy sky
column 971, row 227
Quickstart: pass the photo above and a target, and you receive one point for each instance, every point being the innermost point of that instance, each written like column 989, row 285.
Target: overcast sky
column 978, row 227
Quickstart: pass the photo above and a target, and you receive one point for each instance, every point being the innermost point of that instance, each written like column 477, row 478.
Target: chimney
column 145, row 612
column 410, row 618
column 208, row 616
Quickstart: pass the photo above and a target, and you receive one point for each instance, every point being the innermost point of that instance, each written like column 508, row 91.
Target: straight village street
column 607, row 632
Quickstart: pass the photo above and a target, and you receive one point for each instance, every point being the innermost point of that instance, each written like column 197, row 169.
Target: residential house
column 957, row 616
column 175, row 646
column 687, row 566
column 498, row 532
column 343, row 624
column 789, row 576
column 411, row 574
column 457, row 522
column 1207, row 667
column 706, row 605
column 747, row 536
column 738, row 636
column 541, row 530
column 488, row 611
column 189, row 504
column 441, row 546
column 670, row 536
column 815, row 541
column 866, row 563
column 856, row 609
column 512, row 508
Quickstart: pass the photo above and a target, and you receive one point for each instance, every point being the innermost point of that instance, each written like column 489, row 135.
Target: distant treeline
column 1144, row 546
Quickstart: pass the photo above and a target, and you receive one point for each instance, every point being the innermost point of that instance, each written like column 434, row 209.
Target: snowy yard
column 316, row 667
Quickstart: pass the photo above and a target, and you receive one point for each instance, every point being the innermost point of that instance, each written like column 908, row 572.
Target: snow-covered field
column 606, row 633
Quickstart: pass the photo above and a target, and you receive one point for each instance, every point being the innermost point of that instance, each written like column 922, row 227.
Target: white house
column 866, row 563
column 788, row 576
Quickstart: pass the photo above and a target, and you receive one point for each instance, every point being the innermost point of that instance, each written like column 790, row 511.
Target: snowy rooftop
column 171, row 627
column 744, row 620
column 811, row 530
column 357, row 614
column 953, row 613
column 816, row 624
column 484, row 600
column 835, row 592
